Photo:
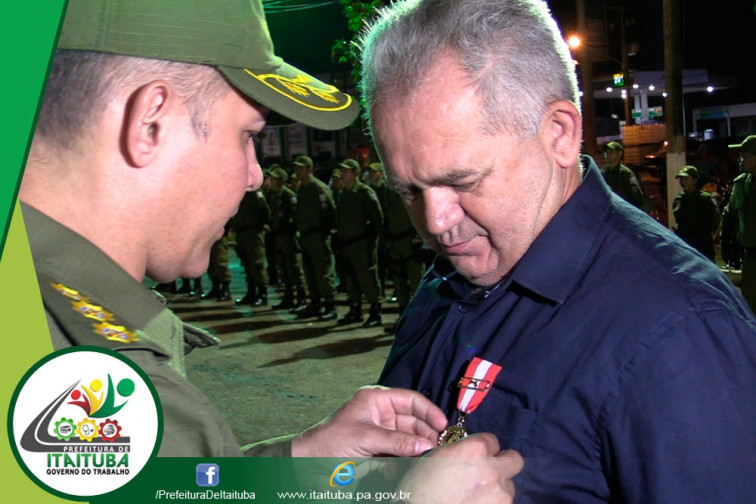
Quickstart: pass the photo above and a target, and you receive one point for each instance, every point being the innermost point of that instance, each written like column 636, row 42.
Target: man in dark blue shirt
column 557, row 316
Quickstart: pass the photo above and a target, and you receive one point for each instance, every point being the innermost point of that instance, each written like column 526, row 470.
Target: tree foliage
column 348, row 51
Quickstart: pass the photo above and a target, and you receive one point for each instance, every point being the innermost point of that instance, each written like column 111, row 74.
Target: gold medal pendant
column 453, row 433
column 474, row 385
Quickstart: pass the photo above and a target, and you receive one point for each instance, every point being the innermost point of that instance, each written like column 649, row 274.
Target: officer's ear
column 145, row 122
column 563, row 127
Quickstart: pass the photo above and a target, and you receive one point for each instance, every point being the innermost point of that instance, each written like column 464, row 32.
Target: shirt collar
column 556, row 260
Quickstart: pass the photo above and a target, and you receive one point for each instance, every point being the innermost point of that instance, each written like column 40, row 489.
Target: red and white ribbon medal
column 474, row 385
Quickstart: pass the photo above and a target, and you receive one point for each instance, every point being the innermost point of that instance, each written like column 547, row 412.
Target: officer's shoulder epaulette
column 84, row 321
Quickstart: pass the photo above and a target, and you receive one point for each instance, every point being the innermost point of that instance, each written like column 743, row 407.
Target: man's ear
column 145, row 122
column 563, row 127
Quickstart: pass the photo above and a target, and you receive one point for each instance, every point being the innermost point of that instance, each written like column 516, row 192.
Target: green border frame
column 44, row 360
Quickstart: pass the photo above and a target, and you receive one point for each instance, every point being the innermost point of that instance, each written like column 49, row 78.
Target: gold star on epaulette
column 69, row 292
column 115, row 332
column 84, row 306
column 92, row 311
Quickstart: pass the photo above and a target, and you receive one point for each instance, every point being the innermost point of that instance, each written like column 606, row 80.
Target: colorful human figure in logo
column 104, row 405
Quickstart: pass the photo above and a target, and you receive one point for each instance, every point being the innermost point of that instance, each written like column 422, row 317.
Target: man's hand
column 470, row 471
column 375, row 421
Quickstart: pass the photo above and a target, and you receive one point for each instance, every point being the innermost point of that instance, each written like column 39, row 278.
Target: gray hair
column 511, row 50
column 82, row 82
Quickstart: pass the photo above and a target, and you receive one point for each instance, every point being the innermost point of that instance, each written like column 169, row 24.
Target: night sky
column 717, row 35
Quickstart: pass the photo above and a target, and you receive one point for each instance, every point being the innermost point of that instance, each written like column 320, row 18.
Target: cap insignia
column 313, row 97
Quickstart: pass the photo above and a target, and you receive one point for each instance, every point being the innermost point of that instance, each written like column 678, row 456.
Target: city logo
column 84, row 421
column 343, row 474
column 207, row 475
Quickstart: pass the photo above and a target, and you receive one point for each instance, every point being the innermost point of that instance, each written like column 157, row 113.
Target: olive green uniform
column 90, row 300
column 218, row 270
column 359, row 221
column 623, row 181
column 283, row 209
column 697, row 219
column 403, row 248
column 315, row 218
column 253, row 214
column 742, row 204
column 273, row 268
column 382, row 189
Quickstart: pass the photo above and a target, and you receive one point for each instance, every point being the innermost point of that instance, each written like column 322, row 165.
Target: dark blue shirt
column 628, row 360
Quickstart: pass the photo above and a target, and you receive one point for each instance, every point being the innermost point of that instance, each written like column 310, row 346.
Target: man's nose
column 254, row 176
column 441, row 209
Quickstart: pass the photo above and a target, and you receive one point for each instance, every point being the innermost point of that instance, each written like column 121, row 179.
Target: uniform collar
column 64, row 255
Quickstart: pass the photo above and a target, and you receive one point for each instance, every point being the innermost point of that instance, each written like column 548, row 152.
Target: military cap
column 336, row 173
column 231, row 36
column 747, row 145
column 376, row 167
column 279, row 173
column 688, row 171
column 303, row 161
column 613, row 146
column 350, row 164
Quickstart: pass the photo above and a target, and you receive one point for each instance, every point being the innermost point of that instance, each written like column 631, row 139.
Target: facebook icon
column 207, row 475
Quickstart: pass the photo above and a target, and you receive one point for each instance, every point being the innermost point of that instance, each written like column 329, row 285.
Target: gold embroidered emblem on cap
column 299, row 85
column 113, row 332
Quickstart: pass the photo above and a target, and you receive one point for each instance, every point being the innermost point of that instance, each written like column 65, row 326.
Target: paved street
column 274, row 374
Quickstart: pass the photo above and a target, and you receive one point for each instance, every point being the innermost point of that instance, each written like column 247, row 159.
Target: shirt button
column 426, row 392
column 464, row 308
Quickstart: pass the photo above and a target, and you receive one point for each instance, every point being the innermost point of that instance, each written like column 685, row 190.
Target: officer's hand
column 375, row 421
column 466, row 472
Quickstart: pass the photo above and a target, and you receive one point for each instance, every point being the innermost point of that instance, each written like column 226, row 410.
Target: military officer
column 404, row 246
column 696, row 213
column 337, row 187
column 315, row 218
column 249, row 224
column 619, row 177
column 359, row 221
column 218, row 270
column 274, row 274
column 283, row 208
column 379, row 185
column 162, row 100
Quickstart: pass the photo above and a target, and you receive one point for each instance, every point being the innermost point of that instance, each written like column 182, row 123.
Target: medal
column 453, row 432
column 474, row 386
